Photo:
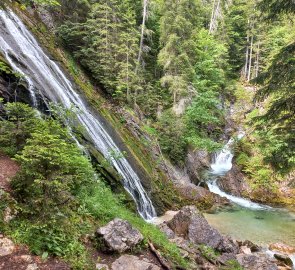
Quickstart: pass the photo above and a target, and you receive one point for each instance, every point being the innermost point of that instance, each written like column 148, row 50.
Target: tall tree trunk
column 247, row 56
column 212, row 17
column 250, row 59
column 144, row 17
column 215, row 16
column 257, row 59
column 127, row 63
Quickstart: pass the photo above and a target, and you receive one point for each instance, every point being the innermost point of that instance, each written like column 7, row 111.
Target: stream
column 247, row 220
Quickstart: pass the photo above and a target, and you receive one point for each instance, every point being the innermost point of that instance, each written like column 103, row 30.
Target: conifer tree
column 177, row 54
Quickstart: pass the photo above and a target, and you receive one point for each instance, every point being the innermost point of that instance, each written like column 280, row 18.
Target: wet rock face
column 197, row 194
column 119, row 236
column 256, row 262
column 196, row 162
column 284, row 258
column 129, row 262
column 234, row 182
column 190, row 224
column 11, row 89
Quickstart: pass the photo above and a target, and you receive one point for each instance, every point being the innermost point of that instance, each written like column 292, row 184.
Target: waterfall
column 221, row 165
column 45, row 78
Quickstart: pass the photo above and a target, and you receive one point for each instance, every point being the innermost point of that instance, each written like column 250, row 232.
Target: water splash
column 223, row 164
column 25, row 56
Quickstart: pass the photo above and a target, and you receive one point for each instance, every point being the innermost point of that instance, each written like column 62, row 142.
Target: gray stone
column 234, row 182
column 165, row 229
column 6, row 247
column 129, row 262
column 245, row 250
column 225, row 257
column 119, row 236
column 196, row 162
column 256, row 262
column 32, row 266
column 100, row 266
column 190, row 224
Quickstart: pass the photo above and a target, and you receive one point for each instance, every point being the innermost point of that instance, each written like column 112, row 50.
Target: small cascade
column 223, row 160
column 221, row 165
column 46, row 79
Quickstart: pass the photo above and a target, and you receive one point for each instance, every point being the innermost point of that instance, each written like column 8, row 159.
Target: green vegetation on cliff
column 58, row 196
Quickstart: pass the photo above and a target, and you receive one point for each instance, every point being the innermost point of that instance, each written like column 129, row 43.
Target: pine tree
column 107, row 45
column 177, row 54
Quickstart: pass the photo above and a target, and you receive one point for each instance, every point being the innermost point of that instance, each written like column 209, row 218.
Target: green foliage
column 59, row 199
column 232, row 265
column 172, row 137
column 58, row 237
column 177, row 57
column 237, row 25
column 52, row 171
column 102, row 205
column 201, row 119
column 211, row 63
column 108, row 51
column 4, row 68
column 208, row 252
column 42, row 2
column 278, row 85
column 21, row 121
column 275, row 8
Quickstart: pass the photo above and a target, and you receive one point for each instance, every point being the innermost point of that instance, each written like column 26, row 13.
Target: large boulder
column 129, row 262
column 256, row 262
column 199, row 195
column 6, row 246
column 234, row 182
column 119, row 236
column 196, row 162
column 190, row 224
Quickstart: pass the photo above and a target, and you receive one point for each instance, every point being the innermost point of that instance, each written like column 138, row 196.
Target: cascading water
column 245, row 219
column 221, row 165
column 25, row 56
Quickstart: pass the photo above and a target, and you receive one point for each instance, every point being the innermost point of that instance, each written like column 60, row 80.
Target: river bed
column 259, row 226
column 247, row 220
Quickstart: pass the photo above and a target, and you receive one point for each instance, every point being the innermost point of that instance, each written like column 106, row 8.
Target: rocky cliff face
column 234, row 182
column 12, row 88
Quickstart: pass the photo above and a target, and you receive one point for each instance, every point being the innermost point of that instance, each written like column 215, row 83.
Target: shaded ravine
column 259, row 223
column 46, row 79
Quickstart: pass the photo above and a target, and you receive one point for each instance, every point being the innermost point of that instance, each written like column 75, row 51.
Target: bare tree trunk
column 127, row 63
column 250, row 59
column 257, row 60
column 215, row 16
column 247, row 56
column 212, row 16
column 144, row 17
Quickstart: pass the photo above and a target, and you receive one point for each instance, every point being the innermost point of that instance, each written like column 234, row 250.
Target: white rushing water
column 42, row 74
column 221, row 165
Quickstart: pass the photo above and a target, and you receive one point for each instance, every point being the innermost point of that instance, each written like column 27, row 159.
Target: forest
column 125, row 109
column 180, row 64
